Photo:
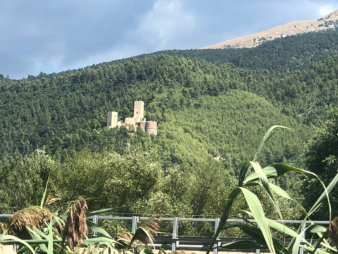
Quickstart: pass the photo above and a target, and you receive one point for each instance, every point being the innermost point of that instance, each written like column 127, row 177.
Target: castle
column 137, row 121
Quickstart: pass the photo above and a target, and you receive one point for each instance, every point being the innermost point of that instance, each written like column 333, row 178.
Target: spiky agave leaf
column 76, row 229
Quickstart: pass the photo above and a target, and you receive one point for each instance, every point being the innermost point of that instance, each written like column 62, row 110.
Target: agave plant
column 252, row 174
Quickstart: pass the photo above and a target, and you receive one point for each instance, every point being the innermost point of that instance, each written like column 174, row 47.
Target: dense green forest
column 280, row 55
column 212, row 109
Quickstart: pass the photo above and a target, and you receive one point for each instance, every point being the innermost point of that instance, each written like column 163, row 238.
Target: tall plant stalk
column 252, row 174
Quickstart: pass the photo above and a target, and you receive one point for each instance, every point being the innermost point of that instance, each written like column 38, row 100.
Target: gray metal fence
column 175, row 238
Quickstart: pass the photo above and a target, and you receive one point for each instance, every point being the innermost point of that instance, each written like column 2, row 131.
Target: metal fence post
column 174, row 239
column 301, row 250
column 258, row 251
column 95, row 221
column 134, row 221
column 216, row 244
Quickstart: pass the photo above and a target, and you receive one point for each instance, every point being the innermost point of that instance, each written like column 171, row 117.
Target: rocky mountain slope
column 329, row 22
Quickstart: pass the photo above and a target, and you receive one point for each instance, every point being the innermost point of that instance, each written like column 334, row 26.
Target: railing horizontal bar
column 6, row 215
column 320, row 222
column 112, row 217
column 191, row 246
column 197, row 219
column 188, row 219
column 157, row 218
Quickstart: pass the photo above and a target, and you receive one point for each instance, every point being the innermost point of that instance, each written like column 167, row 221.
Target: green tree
column 321, row 157
column 23, row 180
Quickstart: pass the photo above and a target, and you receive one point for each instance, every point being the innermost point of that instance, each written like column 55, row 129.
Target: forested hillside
column 212, row 109
column 281, row 55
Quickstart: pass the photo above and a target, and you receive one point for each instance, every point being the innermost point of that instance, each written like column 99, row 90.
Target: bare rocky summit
column 329, row 22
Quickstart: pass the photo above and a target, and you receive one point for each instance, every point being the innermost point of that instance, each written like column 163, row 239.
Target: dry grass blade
column 50, row 201
column 2, row 228
column 32, row 217
column 146, row 233
column 123, row 239
column 333, row 231
column 76, row 229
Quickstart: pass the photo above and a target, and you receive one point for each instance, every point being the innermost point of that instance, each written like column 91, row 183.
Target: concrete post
column 95, row 221
column 134, row 221
column 215, row 250
column 301, row 250
column 175, row 242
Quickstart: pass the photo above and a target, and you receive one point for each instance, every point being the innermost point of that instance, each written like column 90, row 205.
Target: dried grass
column 2, row 228
column 333, row 231
column 146, row 232
column 32, row 217
column 123, row 239
column 76, row 229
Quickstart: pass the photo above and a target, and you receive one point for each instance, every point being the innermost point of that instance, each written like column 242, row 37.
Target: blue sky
column 52, row 36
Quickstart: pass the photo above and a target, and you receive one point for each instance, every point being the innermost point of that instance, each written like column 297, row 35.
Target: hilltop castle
column 137, row 121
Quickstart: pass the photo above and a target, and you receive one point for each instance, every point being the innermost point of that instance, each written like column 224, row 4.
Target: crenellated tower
column 137, row 121
column 139, row 111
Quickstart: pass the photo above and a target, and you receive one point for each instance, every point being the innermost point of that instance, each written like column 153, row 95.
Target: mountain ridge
column 329, row 22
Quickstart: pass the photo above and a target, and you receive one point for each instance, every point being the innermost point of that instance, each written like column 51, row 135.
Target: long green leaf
column 243, row 244
column 269, row 172
column 50, row 238
column 96, row 212
column 275, row 170
column 279, row 191
column 99, row 240
column 266, row 137
column 278, row 226
column 256, row 208
column 38, row 238
column 298, row 240
column 44, row 194
column 98, row 229
column 282, row 168
column 4, row 238
column 253, row 231
column 245, row 167
column 225, row 215
column 264, row 180
column 256, row 234
column 325, row 194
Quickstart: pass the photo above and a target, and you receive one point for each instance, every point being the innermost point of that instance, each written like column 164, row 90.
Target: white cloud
column 166, row 22
column 326, row 9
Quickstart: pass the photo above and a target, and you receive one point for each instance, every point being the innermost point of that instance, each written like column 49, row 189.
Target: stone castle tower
column 139, row 111
column 112, row 121
column 137, row 121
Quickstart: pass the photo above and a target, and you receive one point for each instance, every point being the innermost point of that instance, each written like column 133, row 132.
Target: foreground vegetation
column 211, row 107
column 38, row 230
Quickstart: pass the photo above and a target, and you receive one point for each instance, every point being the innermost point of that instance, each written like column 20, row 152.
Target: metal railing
column 175, row 239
